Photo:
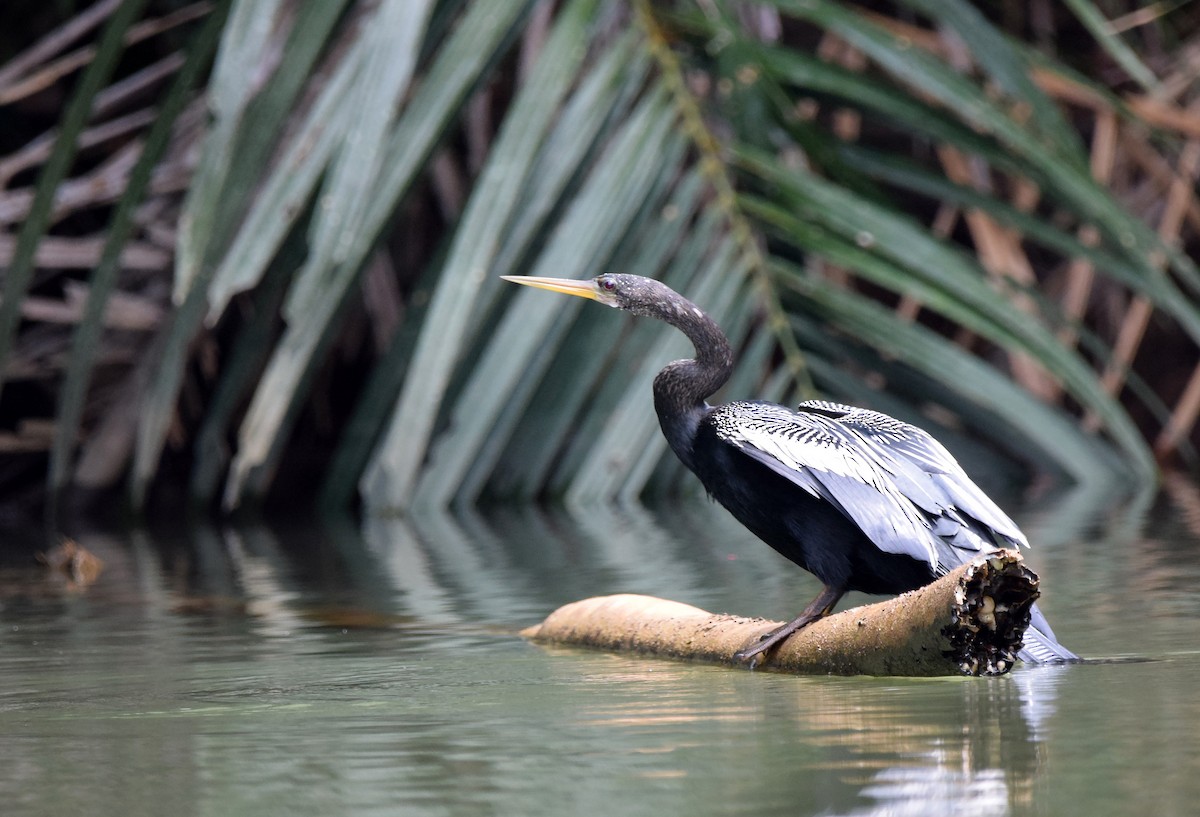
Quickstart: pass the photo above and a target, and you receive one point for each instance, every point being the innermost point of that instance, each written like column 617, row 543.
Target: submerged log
column 969, row 622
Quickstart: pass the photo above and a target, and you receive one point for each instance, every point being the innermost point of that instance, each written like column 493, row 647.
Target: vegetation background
column 251, row 249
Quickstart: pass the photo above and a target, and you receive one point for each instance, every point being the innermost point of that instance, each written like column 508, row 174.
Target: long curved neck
column 681, row 387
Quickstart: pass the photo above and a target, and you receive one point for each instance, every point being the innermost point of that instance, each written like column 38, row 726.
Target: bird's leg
column 817, row 608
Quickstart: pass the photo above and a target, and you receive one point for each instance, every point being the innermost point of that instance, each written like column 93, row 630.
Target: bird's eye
column 608, row 284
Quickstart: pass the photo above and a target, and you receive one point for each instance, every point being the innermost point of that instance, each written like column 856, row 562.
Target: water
column 339, row 670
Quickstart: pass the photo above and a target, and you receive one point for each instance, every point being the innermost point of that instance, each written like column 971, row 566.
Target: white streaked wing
column 832, row 462
column 903, row 439
column 906, row 443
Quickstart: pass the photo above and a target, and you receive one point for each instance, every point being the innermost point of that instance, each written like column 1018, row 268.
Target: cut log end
column 990, row 614
column 969, row 622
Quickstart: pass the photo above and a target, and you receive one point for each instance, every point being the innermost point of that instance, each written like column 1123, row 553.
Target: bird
column 860, row 499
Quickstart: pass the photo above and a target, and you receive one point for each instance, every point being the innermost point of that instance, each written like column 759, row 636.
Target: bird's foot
column 755, row 653
column 817, row 608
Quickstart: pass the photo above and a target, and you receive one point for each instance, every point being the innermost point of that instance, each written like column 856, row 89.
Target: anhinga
column 860, row 499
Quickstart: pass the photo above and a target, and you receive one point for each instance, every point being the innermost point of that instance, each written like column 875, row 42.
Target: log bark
column 969, row 622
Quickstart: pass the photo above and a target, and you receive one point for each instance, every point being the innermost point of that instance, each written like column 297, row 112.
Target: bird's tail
column 1041, row 647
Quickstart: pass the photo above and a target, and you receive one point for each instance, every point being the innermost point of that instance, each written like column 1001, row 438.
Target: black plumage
column 862, row 500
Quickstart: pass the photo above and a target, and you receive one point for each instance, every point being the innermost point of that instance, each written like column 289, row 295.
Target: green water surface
column 336, row 669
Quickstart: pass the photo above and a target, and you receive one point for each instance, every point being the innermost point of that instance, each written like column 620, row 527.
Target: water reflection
column 834, row 746
column 337, row 667
column 905, row 746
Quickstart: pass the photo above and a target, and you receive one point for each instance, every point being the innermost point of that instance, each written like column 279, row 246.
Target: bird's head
column 633, row 293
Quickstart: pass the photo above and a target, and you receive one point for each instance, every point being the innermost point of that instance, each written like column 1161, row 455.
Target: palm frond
column 19, row 271
column 911, row 206
column 86, row 342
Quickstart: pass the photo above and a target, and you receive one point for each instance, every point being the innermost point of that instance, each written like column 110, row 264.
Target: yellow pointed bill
column 567, row 286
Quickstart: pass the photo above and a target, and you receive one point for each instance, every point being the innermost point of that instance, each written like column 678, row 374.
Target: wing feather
column 828, row 461
column 893, row 480
column 909, row 443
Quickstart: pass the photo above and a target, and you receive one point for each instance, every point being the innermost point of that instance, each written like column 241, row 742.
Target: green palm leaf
column 793, row 197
